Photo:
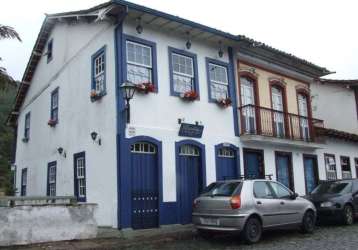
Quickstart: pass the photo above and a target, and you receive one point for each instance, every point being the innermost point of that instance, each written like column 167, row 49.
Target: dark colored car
column 336, row 200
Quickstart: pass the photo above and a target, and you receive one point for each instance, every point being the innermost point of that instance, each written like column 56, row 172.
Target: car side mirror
column 294, row 196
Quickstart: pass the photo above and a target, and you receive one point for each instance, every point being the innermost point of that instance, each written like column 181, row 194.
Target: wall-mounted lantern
column 188, row 42
column 221, row 52
column 96, row 138
column 128, row 89
column 61, row 151
column 139, row 27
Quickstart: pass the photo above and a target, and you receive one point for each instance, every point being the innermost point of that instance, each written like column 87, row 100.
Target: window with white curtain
column 139, row 63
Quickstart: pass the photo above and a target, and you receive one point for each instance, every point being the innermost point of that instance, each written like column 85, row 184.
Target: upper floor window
column 183, row 72
column 247, row 91
column 27, row 127
column 303, row 112
column 99, row 73
column 218, row 80
column 139, row 63
column 346, row 167
column 49, row 50
column 54, row 107
column 51, row 179
column 277, row 100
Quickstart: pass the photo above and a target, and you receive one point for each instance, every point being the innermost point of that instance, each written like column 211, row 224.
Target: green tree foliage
column 6, row 32
column 7, row 96
column 8, row 88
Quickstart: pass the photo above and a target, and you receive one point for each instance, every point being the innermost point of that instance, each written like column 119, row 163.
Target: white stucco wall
column 336, row 105
column 70, row 70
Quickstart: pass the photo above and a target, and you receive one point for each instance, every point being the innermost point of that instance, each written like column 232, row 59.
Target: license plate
column 209, row 221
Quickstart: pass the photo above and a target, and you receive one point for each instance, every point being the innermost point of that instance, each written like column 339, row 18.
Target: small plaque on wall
column 191, row 130
column 131, row 131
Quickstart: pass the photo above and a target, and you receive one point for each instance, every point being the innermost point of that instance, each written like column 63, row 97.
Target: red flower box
column 52, row 122
column 189, row 95
column 145, row 87
column 94, row 95
column 225, row 102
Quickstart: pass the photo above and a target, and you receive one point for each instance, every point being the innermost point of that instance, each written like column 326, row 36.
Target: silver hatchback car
column 249, row 207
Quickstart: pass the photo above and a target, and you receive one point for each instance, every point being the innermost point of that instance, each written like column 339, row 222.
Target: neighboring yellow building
column 273, row 104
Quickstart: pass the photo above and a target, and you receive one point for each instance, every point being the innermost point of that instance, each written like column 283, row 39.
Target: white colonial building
column 208, row 106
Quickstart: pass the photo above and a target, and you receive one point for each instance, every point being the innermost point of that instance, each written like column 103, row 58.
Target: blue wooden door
column 144, row 192
column 189, row 180
column 310, row 168
column 284, row 173
column 226, row 164
column 254, row 168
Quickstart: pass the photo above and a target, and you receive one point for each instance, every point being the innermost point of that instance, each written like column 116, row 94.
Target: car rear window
column 222, row 189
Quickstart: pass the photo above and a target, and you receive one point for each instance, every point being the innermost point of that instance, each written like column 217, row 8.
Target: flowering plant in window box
column 224, row 102
column 145, row 87
column 52, row 122
column 95, row 95
column 189, row 95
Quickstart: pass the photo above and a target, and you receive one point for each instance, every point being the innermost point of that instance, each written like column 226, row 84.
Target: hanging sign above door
column 191, row 130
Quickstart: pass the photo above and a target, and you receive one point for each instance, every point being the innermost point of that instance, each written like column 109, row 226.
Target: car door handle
column 282, row 203
column 259, row 203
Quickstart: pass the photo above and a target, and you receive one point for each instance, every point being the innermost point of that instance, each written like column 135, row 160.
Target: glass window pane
column 139, row 54
column 262, row 190
column 138, row 74
column 281, row 191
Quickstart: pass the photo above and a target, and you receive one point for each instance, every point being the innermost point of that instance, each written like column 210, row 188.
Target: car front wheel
column 252, row 231
column 308, row 222
column 348, row 218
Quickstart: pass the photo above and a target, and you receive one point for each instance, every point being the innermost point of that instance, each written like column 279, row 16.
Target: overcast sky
column 322, row 31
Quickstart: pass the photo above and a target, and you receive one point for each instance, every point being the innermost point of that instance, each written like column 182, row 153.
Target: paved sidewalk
column 109, row 238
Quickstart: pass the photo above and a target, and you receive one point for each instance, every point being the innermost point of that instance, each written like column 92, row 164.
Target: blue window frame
column 49, row 50
column 54, row 105
column 27, row 127
column 183, row 69
column 218, row 80
column 140, row 61
column 99, row 72
column 80, row 176
column 23, row 181
column 51, row 178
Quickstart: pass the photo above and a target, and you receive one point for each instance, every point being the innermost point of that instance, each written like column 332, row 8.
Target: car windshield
column 333, row 188
column 220, row 189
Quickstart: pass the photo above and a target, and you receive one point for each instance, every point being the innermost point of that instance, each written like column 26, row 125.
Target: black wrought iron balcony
column 255, row 120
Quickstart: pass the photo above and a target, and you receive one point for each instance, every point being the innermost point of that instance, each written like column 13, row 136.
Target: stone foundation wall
column 45, row 223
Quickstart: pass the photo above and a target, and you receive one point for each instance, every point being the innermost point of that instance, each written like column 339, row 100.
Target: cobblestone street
column 325, row 237
column 328, row 237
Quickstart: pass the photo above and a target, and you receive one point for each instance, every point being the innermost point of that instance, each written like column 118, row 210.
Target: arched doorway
column 227, row 162
column 144, row 185
column 190, row 176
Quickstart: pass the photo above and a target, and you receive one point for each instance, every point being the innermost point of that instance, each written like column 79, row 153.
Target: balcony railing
column 263, row 121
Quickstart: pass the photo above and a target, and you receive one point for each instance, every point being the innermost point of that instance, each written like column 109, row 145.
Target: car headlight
column 327, row 204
